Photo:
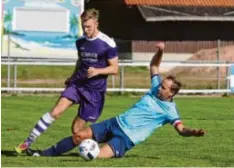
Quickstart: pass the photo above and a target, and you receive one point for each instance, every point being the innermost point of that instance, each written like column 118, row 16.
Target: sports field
column 164, row 148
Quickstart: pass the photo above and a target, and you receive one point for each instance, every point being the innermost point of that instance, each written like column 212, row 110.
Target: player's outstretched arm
column 156, row 60
column 186, row 132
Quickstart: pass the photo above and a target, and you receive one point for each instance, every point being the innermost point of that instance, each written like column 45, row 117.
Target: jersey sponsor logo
column 89, row 57
column 91, row 117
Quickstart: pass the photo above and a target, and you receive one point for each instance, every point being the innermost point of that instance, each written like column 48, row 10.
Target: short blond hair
column 90, row 14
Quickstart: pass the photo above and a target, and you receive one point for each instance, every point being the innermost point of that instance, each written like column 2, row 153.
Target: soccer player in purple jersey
column 87, row 85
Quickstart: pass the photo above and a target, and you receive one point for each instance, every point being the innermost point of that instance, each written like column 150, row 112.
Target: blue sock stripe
column 39, row 128
column 46, row 124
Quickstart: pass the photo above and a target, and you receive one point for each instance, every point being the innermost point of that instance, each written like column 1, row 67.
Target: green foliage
column 7, row 22
column 165, row 148
column 73, row 25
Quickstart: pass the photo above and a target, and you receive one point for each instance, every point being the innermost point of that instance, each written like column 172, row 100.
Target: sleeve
column 155, row 80
column 174, row 118
column 111, row 46
column 176, row 122
column 155, row 83
column 112, row 52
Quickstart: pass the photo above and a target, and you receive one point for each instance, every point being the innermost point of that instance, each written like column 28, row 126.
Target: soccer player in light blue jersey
column 119, row 134
column 97, row 58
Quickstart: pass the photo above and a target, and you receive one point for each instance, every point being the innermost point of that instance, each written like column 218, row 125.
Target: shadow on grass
column 13, row 153
column 73, row 154
column 126, row 156
column 8, row 153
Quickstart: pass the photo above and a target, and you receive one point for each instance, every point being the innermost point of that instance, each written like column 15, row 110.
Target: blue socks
column 61, row 147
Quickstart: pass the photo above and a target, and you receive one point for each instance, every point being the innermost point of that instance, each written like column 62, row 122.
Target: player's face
column 90, row 27
column 164, row 92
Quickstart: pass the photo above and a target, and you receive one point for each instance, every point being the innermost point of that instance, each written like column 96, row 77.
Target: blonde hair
column 90, row 14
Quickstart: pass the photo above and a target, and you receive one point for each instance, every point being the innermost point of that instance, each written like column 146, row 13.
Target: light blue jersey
column 147, row 114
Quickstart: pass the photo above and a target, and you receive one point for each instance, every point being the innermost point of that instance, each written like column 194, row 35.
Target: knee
column 77, row 126
column 77, row 138
column 75, row 130
column 60, row 107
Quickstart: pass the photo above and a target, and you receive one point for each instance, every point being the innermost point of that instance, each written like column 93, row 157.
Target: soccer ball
column 89, row 149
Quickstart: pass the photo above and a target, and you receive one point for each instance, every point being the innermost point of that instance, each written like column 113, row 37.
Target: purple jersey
column 95, row 53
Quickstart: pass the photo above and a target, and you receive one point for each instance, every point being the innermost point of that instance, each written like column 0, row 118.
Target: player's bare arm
column 186, row 132
column 157, row 58
column 112, row 69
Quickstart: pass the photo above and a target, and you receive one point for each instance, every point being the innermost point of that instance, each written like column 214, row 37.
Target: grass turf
column 164, row 148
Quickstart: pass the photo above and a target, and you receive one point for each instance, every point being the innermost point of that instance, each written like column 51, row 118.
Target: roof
column 212, row 3
column 181, row 13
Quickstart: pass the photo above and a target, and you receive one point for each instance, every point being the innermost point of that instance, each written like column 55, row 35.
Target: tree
column 73, row 25
column 8, row 22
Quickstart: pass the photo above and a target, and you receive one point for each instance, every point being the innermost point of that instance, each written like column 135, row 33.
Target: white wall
column 41, row 19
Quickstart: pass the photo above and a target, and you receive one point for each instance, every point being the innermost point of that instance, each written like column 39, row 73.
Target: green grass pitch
column 165, row 148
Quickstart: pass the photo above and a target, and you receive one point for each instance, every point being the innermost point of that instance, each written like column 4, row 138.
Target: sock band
column 47, row 118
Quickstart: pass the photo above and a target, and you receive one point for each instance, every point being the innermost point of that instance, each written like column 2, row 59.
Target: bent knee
column 77, row 130
column 77, row 138
column 81, row 135
column 77, row 126
column 60, row 107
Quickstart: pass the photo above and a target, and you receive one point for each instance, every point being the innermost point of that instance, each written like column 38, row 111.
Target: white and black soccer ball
column 89, row 149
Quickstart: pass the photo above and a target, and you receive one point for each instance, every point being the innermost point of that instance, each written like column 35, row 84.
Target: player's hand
column 160, row 45
column 67, row 81
column 92, row 72
column 198, row 132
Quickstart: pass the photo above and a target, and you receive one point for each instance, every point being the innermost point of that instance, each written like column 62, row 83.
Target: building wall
column 126, row 23
column 179, row 46
column 134, row 35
